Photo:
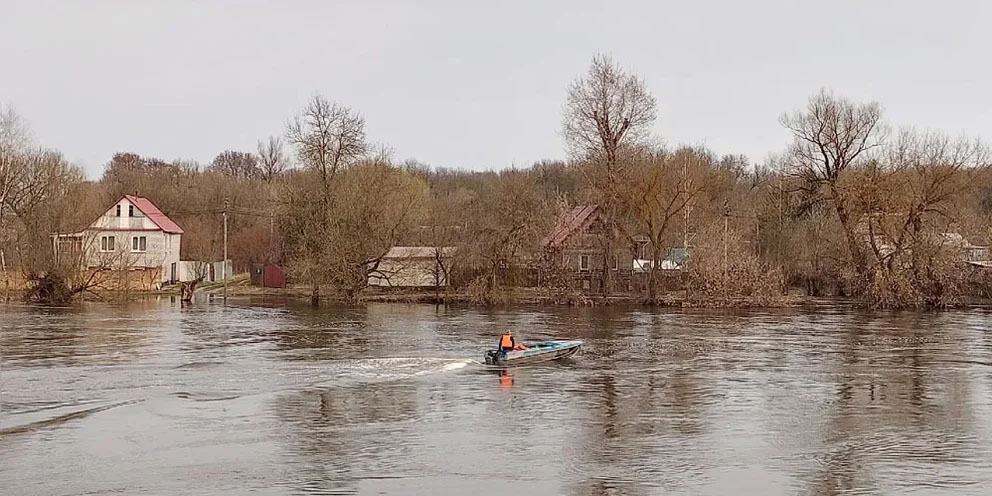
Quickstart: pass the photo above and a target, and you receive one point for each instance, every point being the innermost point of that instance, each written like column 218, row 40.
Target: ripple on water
column 297, row 400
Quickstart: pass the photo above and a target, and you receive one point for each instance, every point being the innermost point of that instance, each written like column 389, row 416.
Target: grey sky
column 475, row 84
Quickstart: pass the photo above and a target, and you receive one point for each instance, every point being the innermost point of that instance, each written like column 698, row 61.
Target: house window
column 118, row 210
column 583, row 262
column 138, row 243
column 106, row 243
column 130, row 210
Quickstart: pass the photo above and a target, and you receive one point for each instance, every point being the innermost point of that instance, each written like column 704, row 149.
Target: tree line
column 853, row 206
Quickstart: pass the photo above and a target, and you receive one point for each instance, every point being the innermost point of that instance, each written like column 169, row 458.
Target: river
column 277, row 398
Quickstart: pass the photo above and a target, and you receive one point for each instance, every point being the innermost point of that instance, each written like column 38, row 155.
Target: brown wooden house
column 585, row 251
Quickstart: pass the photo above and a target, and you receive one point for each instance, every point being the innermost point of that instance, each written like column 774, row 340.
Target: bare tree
column 239, row 165
column 327, row 137
column 913, row 199
column 48, row 198
column 123, row 163
column 199, row 271
column 446, row 228
column 831, row 136
column 15, row 138
column 40, row 194
column 506, row 224
column 374, row 206
column 607, row 111
column 655, row 190
column 272, row 161
column 897, row 202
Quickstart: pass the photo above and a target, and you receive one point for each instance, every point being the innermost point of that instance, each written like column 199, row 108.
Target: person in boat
column 507, row 343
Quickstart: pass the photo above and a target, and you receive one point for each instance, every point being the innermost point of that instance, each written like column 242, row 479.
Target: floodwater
column 271, row 397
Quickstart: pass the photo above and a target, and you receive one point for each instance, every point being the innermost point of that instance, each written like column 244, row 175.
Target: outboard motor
column 492, row 357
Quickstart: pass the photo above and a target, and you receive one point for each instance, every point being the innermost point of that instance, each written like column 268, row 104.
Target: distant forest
column 853, row 206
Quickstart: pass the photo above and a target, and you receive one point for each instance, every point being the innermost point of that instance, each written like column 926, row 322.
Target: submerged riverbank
column 241, row 288
column 510, row 297
column 523, row 296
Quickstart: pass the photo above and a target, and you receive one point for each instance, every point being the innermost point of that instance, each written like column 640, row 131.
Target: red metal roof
column 568, row 224
column 152, row 212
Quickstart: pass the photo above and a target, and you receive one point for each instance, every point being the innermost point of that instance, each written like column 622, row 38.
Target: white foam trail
column 447, row 367
column 392, row 369
column 456, row 365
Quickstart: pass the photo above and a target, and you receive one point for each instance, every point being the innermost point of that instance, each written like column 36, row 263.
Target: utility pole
column 687, row 210
column 726, row 224
column 223, row 263
column 781, row 222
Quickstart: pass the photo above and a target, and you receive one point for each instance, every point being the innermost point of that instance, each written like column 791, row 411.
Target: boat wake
column 373, row 370
column 60, row 419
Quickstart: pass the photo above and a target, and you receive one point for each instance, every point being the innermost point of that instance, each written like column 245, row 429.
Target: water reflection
column 505, row 378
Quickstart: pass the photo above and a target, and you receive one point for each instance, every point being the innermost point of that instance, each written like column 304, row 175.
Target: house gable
column 134, row 213
column 154, row 214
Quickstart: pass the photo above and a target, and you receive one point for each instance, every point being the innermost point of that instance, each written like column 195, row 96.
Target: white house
column 132, row 234
column 412, row 266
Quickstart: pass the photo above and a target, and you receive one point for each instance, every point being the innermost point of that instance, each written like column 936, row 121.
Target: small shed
column 268, row 275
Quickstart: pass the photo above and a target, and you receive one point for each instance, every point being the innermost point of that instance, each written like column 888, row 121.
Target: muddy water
column 277, row 398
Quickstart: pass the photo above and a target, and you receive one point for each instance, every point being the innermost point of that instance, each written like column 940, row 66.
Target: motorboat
column 535, row 352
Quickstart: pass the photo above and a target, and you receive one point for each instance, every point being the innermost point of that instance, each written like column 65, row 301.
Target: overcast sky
column 475, row 84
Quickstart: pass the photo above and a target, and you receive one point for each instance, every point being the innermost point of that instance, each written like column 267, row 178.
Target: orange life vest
column 506, row 342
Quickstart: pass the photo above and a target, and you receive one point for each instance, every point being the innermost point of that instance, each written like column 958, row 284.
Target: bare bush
column 732, row 276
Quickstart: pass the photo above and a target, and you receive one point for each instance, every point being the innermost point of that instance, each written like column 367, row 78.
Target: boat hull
column 537, row 352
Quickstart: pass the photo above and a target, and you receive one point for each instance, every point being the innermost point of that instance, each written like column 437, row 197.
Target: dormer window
column 118, row 210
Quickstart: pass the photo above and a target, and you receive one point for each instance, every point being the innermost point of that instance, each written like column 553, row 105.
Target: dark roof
column 152, row 212
column 568, row 224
